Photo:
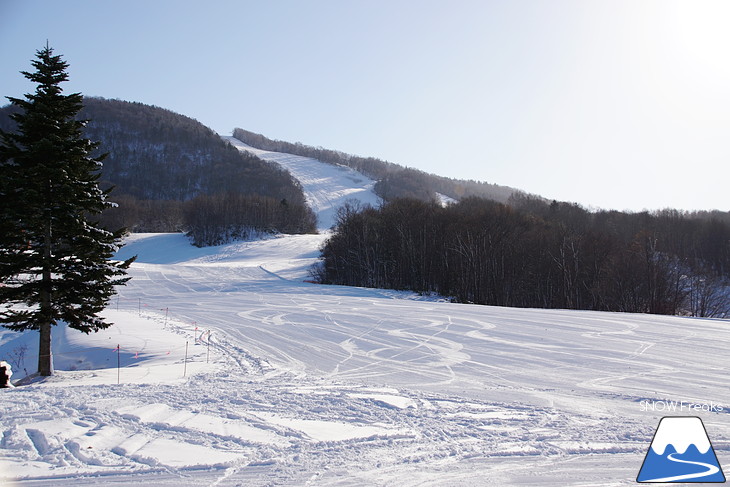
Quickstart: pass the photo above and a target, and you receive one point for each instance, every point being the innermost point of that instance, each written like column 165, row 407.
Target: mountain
column 172, row 173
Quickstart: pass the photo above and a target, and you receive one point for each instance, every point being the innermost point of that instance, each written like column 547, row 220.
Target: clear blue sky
column 620, row 104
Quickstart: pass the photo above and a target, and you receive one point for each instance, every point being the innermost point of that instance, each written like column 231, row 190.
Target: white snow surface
column 328, row 385
column 327, row 187
column 234, row 371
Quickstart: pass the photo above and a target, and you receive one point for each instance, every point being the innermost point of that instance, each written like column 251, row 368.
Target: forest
column 171, row 173
column 533, row 253
column 393, row 180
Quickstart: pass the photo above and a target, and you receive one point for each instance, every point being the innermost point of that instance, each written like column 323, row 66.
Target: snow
column 309, row 384
column 327, row 187
column 445, row 200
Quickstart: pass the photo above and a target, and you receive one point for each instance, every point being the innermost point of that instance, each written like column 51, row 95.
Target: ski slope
column 329, row 385
column 325, row 186
column 235, row 371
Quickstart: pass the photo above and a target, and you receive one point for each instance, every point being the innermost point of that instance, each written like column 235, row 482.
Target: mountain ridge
column 393, row 180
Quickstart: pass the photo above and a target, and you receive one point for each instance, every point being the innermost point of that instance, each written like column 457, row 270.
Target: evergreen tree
column 55, row 265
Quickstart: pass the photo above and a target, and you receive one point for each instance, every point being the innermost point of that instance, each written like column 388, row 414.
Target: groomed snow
column 234, row 371
column 346, row 386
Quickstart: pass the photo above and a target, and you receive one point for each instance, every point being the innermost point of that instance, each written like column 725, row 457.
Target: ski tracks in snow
column 253, row 429
column 331, row 385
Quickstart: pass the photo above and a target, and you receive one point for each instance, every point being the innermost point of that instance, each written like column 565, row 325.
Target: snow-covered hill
column 325, row 186
column 234, row 371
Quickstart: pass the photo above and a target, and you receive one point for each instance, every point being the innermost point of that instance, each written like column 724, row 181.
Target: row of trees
column 212, row 219
column 217, row 219
column 555, row 256
column 394, row 181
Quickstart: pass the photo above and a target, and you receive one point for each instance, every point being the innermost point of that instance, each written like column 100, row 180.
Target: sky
column 620, row 104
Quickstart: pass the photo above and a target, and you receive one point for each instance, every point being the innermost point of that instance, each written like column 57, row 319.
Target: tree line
column 393, row 180
column 532, row 253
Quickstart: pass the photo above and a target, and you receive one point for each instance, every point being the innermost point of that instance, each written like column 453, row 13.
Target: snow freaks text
column 681, row 406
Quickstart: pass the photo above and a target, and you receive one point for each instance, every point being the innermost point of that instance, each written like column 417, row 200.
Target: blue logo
column 681, row 452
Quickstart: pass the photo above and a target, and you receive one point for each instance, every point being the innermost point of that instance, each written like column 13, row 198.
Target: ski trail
column 326, row 186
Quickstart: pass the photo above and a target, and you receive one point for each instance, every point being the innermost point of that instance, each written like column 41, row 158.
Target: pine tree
column 55, row 265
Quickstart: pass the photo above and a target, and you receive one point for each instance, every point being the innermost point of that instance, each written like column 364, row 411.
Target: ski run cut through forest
column 225, row 367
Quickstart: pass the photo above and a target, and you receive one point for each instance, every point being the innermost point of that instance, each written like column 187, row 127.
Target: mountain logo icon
column 681, row 452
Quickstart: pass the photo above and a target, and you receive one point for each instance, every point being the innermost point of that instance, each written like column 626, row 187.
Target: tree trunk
column 45, row 355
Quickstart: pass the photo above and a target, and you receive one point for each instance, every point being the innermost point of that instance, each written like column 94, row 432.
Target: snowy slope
column 234, row 371
column 327, row 385
column 325, row 186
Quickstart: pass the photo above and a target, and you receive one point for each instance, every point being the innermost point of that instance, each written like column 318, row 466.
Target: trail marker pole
column 185, row 368
column 207, row 360
column 119, row 363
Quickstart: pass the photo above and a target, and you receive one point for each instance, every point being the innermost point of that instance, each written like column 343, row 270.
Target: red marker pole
column 119, row 363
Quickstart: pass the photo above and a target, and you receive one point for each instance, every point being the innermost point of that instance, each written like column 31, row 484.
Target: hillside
column 327, row 187
column 393, row 181
column 170, row 172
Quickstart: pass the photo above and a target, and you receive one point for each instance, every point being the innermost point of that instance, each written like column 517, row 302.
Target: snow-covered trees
column 54, row 258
